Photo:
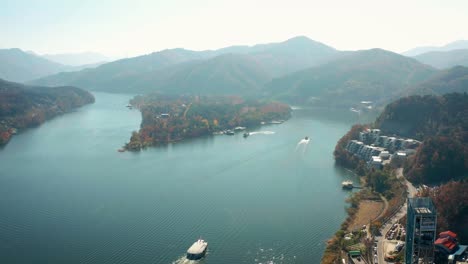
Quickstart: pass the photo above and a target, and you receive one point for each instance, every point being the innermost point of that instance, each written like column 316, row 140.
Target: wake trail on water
column 302, row 145
column 184, row 260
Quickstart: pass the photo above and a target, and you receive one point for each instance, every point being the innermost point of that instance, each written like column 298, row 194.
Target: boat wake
column 269, row 256
column 303, row 144
column 184, row 260
column 261, row 133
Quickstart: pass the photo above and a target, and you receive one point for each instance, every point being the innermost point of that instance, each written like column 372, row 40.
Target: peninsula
column 167, row 118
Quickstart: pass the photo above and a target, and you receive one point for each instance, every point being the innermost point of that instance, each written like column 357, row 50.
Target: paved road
column 411, row 193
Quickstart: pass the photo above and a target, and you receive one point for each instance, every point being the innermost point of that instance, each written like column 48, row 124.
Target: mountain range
column 459, row 44
column 298, row 70
column 235, row 69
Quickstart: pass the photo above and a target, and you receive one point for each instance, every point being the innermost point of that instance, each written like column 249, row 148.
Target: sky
column 118, row 28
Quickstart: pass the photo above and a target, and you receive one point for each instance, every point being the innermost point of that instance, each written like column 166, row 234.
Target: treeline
column 441, row 122
column 24, row 106
column 172, row 118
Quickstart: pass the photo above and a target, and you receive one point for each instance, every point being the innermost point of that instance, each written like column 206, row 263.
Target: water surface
column 68, row 196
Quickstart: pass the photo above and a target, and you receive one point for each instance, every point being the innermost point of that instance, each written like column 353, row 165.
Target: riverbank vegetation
column 381, row 186
column 351, row 236
column 173, row 118
column 24, row 106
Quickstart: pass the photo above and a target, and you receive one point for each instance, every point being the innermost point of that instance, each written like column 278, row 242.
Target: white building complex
column 377, row 149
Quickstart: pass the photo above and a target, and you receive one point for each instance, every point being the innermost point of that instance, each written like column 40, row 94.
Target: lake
column 68, row 196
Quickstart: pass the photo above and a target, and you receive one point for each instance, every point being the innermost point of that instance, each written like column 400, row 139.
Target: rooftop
column 448, row 233
column 447, row 243
column 422, row 205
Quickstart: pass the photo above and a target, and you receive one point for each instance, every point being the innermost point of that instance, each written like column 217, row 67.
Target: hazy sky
column 128, row 28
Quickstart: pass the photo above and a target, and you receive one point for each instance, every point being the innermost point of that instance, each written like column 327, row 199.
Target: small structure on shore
column 347, row 185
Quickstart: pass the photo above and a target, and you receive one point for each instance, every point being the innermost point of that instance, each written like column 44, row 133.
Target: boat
column 347, row 184
column 246, row 134
column 229, row 132
column 129, row 106
column 239, row 128
column 197, row 250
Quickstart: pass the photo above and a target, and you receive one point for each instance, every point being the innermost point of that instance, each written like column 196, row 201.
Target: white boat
column 197, row 250
column 239, row 128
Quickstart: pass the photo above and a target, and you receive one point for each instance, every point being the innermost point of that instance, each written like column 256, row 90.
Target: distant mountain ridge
column 20, row 66
column 370, row 75
column 17, row 65
column 169, row 68
column 77, row 59
column 459, row 44
column 444, row 59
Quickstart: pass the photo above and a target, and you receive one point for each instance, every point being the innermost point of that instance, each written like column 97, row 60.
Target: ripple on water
column 271, row 256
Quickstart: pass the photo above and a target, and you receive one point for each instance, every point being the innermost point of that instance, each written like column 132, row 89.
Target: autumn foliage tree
column 451, row 201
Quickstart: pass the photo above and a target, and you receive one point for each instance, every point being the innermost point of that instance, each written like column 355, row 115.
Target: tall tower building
column 421, row 226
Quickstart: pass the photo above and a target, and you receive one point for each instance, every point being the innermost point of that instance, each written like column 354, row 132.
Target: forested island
column 167, row 118
column 23, row 106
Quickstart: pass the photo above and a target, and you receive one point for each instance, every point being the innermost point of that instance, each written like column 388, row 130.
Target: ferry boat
column 347, row 184
column 197, row 250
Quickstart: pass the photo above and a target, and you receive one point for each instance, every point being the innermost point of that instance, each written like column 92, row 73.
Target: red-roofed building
column 448, row 234
column 447, row 242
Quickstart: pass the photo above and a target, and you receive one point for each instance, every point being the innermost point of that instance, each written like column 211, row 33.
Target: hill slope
column 442, row 123
column 24, row 106
column 147, row 73
column 225, row 74
column 444, row 59
column 447, row 81
column 17, row 65
column 371, row 75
